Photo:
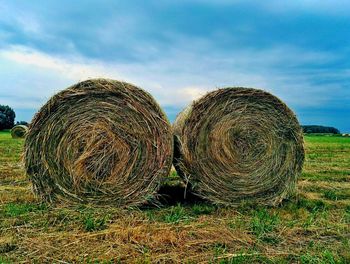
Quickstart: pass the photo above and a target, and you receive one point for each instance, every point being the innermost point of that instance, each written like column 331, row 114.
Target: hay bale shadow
column 169, row 195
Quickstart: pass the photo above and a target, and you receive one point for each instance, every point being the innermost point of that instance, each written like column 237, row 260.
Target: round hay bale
column 239, row 145
column 101, row 142
column 19, row 131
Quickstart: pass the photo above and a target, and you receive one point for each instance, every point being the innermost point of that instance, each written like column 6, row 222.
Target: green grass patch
column 5, row 260
column 326, row 257
column 311, row 205
column 330, row 195
column 94, row 223
column 176, row 214
column 202, row 209
column 15, row 209
column 263, row 224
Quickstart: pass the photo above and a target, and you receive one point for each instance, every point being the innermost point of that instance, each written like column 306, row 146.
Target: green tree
column 7, row 117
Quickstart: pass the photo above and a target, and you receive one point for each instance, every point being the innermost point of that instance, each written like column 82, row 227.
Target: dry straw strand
column 99, row 141
column 237, row 145
column 19, row 131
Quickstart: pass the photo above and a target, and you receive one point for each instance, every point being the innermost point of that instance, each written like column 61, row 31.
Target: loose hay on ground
column 239, row 144
column 99, row 141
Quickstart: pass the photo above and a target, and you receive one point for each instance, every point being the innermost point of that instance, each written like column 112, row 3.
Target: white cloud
column 174, row 81
column 70, row 70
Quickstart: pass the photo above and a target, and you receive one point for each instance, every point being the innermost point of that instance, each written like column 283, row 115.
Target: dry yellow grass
column 307, row 229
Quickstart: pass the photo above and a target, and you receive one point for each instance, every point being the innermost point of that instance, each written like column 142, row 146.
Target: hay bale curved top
column 99, row 141
column 239, row 144
column 19, row 131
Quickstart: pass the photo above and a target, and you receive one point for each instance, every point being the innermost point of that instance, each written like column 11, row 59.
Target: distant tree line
column 24, row 123
column 320, row 129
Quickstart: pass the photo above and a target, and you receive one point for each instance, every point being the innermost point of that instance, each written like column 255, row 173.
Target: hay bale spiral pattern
column 239, row 145
column 99, row 141
column 19, row 131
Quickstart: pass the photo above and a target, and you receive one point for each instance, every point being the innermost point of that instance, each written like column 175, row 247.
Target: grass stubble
column 311, row 227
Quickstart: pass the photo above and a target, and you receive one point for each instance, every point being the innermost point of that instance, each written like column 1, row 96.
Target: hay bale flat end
column 239, row 145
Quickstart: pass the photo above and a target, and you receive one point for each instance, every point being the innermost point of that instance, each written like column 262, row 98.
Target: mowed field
column 312, row 227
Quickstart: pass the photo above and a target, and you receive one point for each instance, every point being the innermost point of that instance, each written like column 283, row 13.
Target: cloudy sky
column 178, row 50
